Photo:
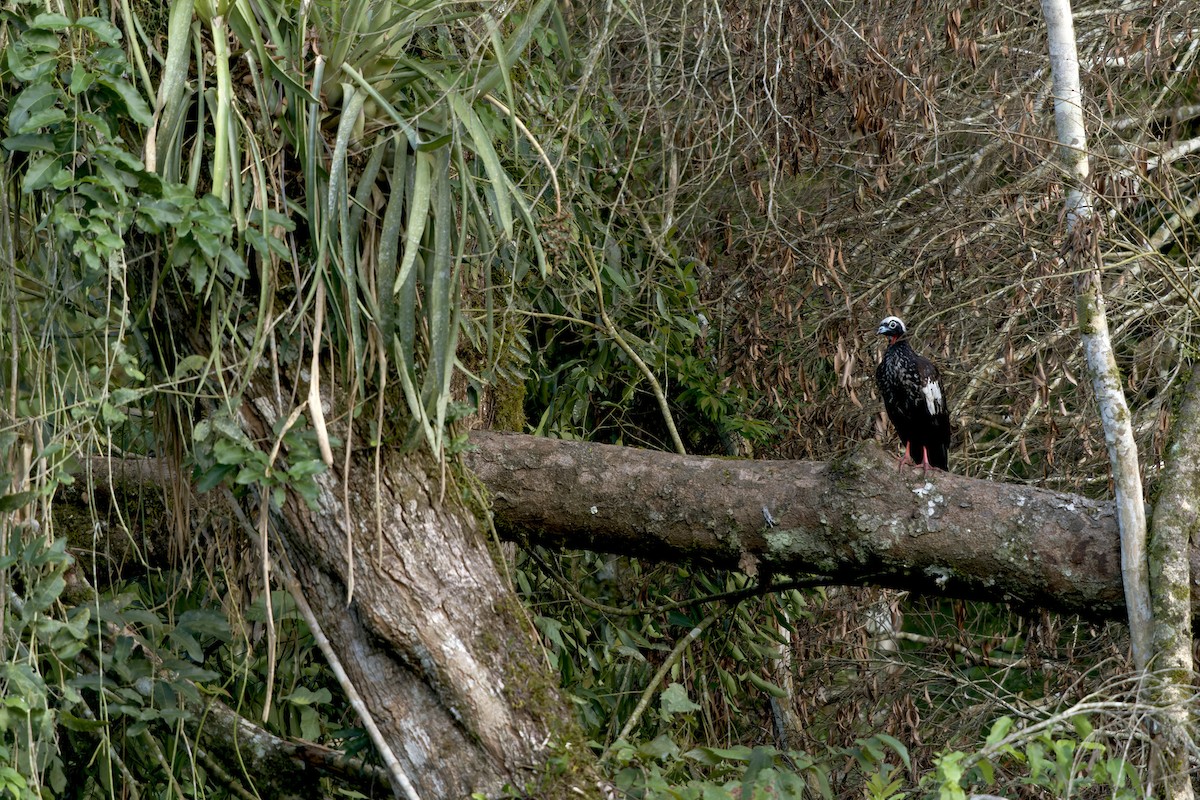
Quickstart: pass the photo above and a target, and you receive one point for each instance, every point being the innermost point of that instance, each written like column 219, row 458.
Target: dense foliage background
column 671, row 225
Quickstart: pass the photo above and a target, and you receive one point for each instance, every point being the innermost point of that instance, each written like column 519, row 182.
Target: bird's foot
column 925, row 465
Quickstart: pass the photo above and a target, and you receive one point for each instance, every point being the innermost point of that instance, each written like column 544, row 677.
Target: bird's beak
column 882, row 331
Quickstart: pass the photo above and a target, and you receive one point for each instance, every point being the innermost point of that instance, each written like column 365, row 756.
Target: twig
column 962, row 650
column 736, row 595
column 634, row 357
column 675, row 655
column 533, row 142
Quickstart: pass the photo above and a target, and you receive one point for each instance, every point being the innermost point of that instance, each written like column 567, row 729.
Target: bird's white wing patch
column 933, row 397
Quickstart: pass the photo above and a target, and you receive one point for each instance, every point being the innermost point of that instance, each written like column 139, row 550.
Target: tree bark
column 433, row 639
column 1173, row 527
column 856, row 521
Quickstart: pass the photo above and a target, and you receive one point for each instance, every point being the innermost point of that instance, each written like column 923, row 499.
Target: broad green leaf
column 134, row 103
column 33, row 98
column 306, row 469
column 11, row 502
column 896, row 745
column 28, row 142
column 1000, row 729
column 43, row 119
column 662, row 748
column 674, row 700
column 124, row 396
column 74, row 723
column 1083, row 728
column 107, row 32
column 303, row 696
column 213, row 476
column 50, row 22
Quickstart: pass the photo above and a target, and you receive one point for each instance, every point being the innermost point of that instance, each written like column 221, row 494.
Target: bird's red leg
column 925, row 452
column 906, row 458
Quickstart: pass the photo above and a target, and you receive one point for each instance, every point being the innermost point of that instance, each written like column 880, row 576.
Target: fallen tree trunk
column 857, row 520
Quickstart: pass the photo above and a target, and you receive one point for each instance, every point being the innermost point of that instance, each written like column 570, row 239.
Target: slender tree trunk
column 1173, row 527
column 1083, row 257
column 1102, row 366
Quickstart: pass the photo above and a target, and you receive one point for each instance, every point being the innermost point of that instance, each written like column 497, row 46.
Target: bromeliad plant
column 392, row 134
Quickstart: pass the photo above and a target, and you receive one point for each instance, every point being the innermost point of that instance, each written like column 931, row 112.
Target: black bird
column 912, row 394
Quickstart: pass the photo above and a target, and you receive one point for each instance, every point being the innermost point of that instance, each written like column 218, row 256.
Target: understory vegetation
column 663, row 224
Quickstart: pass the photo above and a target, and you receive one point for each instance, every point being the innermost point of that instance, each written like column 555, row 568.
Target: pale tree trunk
column 1082, row 256
column 1172, row 530
column 433, row 640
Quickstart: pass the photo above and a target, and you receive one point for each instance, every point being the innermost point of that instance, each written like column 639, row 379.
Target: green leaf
column 234, row 264
column 183, row 640
column 302, row 696
column 251, row 473
column 418, row 212
column 213, row 477
column 124, row 396
column 134, row 103
column 304, row 469
column 44, row 595
column 193, row 363
column 674, row 700
column 1000, row 729
column 1083, row 728
column 189, row 671
column 310, row 723
column 206, row 622
column 765, row 685
column 895, row 744
column 42, row 119
column 49, row 22
column 32, row 99
column 40, row 173
column 107, row 32
column 662, row 747
column 9, row 777
column 481, row 143
column 29, row 142
column 74, row 723
column 713, row 755
column 950, row 773
column 11, row 502
column 229, row 452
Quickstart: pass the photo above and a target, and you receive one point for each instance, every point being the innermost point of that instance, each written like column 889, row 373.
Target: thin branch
column 734, row 595
column 648, row 694
column 634, row 357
